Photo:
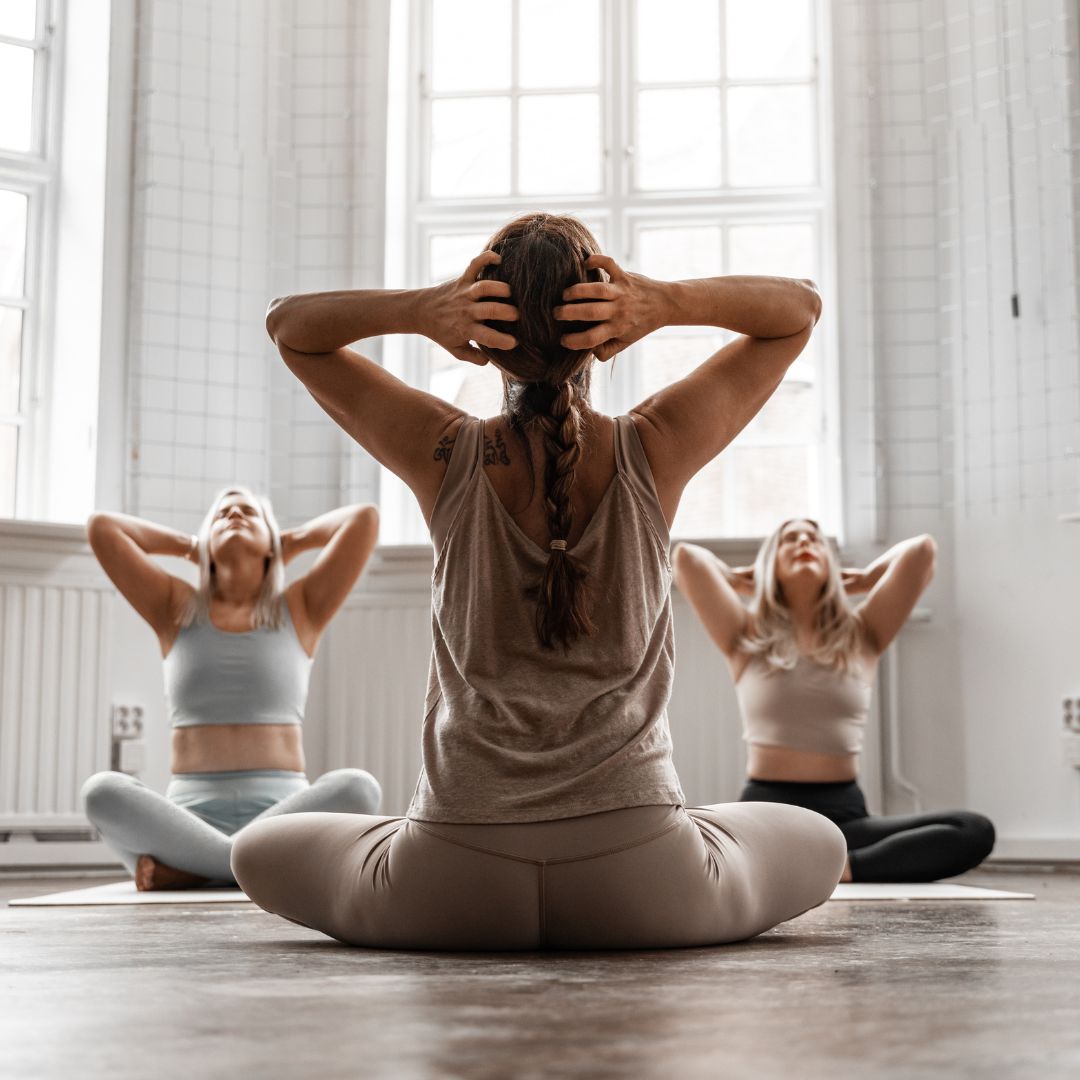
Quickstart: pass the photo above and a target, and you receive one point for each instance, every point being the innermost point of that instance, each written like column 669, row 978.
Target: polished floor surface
column 946, row 989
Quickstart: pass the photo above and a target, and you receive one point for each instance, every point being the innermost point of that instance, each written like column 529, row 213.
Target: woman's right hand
column 625, row 308
column 454, row 312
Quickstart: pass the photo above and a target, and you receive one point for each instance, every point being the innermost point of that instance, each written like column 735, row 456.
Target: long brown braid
column 542, row 255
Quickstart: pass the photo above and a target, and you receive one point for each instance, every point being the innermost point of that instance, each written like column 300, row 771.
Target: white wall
column 256, row 173
column 976, row 413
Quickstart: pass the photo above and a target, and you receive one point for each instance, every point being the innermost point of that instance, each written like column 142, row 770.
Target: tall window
column 26, row 188
column 688, row 134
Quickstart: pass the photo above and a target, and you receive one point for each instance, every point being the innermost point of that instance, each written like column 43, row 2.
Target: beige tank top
column 512, row 731
column 810, row 707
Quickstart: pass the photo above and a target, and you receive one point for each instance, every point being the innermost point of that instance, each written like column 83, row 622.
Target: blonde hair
column 268, row 612
column 838, row 633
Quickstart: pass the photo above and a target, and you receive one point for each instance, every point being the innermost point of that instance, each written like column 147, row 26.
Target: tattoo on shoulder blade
column 444, row 449
column 495, row 453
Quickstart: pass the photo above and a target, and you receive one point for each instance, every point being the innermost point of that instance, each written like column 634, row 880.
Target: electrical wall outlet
column 1070, row 730
column 127, row 721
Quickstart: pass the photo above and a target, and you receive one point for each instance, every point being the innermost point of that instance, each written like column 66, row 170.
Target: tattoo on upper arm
column 495, row 453
column 444, row 449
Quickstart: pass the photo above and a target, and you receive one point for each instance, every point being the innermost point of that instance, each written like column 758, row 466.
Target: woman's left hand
column 454, row 312
column 856, row 581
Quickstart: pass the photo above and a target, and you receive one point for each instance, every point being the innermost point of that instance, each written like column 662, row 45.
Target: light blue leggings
column 192, row 826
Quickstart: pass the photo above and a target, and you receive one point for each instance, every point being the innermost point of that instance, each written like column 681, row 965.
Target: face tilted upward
column 239, row 528
column 801, row 554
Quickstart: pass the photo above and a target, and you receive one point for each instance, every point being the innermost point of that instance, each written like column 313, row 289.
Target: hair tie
column 558, row 545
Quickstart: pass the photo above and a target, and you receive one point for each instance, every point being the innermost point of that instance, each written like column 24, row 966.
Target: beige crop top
column 514, row 732
column 811, row 707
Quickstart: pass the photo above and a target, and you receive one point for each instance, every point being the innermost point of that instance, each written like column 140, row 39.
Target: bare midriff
column 236, row 747
column 780, row 763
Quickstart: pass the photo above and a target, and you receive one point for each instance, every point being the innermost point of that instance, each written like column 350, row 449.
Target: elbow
column 683, row 558
column 96, row 524
column 273, row 318
column 367, row 520
column 927, row 547
column 813, row 301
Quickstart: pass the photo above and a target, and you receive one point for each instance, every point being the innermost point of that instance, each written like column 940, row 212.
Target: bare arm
column 347, row 537
column 685, row 425
column 398, row 425
column 713, row 589
column 124, row 545
column 902, row 574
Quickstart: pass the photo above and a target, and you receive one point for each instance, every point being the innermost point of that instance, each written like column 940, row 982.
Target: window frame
column 36, row 173
column 620, row 210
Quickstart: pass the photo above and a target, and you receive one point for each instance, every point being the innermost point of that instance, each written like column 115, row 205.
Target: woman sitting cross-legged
column 238, row 652
column 548, row 813
column 803, row 662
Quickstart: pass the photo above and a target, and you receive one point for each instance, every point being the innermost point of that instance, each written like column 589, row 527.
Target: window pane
column 678, row 140
column 449, row 255
column 771, row 483
column 784, row 250
column 10, row 359
column 470, row 45
column 771, row 136
column 672, row 254
column 13, row 205
column 9, row 449
column 477, row 390
column 16, row 96
column 470, row 147
column 664, row 358
column 18, row 18
column 677, row 40
column 560, row 144
column 560, row 43
column 769, row 39
column 701, row 510
column 789, row 416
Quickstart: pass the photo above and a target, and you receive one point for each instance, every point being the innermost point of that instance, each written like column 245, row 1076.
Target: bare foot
column 151, row 874
column 846, row 875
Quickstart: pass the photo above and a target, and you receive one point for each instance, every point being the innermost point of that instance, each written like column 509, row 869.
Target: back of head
column 546, row 385
column 771, row 631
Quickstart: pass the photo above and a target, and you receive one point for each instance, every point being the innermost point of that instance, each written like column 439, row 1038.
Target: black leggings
column 903, row 847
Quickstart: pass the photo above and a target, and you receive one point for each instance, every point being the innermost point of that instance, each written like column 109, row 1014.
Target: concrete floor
column 947, row 989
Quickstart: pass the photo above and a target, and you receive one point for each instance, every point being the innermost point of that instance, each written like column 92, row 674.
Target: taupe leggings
column 642, row 877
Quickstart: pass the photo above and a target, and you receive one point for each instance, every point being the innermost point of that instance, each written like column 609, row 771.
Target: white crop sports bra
column 809, row 707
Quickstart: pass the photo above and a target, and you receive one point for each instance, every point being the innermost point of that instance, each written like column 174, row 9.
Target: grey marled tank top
column 514, row 732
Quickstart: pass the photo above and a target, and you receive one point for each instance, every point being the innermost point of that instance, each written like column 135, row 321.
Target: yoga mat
column 124, row 892
column 936, row 890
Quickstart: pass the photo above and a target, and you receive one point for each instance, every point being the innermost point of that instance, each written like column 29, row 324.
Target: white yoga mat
column 124, row 892
column 933, row 891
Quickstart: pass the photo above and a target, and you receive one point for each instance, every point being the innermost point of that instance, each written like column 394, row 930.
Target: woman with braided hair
column 547, row 813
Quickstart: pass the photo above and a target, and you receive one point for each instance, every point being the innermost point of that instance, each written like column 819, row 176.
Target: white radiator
column 55, row 666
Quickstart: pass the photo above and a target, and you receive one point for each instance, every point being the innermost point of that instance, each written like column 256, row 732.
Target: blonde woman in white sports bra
column 803, row 661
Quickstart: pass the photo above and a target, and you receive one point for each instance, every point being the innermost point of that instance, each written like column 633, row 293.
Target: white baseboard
column 1036, row 849
column 19, row 854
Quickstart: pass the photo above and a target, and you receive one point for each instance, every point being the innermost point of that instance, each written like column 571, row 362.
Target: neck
column 801, row 603
column 237, row 585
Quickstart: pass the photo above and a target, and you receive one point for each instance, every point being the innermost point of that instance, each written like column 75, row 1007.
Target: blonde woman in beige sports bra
column 803, row 662
column 548, row 813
